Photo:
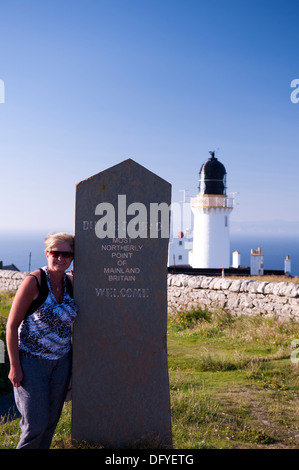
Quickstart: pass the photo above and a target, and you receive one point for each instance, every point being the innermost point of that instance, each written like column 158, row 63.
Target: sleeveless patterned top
column 46, row 333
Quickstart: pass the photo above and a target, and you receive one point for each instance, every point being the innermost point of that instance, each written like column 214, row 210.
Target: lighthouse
column 211, row 209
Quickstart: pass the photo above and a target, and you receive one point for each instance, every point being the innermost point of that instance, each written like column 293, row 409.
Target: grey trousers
column 40, row 399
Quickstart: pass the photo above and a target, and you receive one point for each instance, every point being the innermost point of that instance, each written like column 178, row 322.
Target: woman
column 39, row 343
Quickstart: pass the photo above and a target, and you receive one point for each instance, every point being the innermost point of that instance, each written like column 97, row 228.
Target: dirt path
column 260, row 413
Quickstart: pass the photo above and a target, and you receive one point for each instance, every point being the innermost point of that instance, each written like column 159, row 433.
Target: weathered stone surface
column 11, row 280
column 120, row 376
column 239, row 297
column 236, row 285
column 194, row 281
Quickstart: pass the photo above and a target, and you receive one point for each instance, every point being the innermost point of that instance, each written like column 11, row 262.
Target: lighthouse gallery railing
column 204, row 201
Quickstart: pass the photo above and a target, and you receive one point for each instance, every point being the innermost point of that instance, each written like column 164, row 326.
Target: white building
column 179, row 247
column 236, row 259
column 256, row 263
column 287, row 265
column 211, row 209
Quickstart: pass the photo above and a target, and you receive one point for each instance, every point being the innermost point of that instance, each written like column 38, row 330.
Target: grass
column 6, row 298
column 240, row 368
column 232, row 384
column 268, row 278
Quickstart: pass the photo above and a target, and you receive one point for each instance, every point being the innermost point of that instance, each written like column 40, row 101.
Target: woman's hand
column 16, row 375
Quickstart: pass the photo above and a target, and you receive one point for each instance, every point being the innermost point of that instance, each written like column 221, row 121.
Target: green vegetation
column 6, row 299
column 5, row 386
column 232, row 384
column 268, row 278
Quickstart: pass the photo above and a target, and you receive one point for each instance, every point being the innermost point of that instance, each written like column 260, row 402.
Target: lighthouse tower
column 211, row 209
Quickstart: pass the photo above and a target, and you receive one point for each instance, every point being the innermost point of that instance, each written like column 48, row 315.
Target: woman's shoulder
column 31, row 284
column 37, row 278
column 35, row 274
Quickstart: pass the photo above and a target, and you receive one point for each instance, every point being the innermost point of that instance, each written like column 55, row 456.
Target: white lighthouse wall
column 211, row 242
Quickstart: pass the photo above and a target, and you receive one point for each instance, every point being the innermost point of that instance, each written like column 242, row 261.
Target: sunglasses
column 65, row 254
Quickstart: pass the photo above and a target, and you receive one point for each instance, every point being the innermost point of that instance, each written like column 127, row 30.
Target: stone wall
column 10, row 280
column 243, row 296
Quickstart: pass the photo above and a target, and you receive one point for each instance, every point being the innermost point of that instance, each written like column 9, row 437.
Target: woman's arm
column 26, row 293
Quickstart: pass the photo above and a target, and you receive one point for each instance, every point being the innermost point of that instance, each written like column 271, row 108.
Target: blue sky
column 91, row 83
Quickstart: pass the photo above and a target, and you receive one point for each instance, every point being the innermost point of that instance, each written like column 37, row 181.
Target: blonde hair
column 54, row 238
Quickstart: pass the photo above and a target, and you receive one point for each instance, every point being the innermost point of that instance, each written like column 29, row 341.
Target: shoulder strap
column 37, row 283
column 43, row 293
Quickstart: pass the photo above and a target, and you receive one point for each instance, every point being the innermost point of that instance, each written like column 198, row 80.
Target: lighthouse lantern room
column 211, row 209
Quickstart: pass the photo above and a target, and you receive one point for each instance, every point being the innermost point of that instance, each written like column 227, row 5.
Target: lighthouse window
column 180, row 257
column 180, row 242
column 225, row 220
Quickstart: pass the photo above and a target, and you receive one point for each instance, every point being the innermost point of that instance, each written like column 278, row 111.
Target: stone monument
column 120, row 376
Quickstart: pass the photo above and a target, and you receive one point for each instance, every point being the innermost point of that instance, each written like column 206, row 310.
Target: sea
column 26, row 250
column 274, row 248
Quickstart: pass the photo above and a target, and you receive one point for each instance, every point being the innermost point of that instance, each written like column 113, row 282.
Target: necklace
column 56, row 285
